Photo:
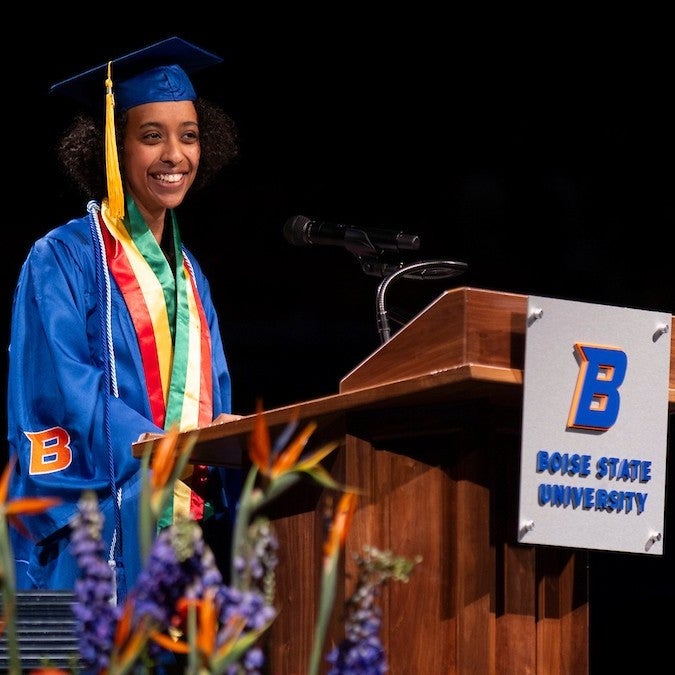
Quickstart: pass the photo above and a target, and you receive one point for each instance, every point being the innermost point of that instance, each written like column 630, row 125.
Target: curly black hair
column 81, row 148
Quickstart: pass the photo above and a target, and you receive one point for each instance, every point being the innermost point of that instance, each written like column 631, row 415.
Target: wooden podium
column 429, row 429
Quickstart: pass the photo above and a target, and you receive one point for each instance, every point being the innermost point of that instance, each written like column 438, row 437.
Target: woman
column 114, row 334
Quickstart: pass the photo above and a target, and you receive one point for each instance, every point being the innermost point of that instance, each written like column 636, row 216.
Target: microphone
column 302, row 231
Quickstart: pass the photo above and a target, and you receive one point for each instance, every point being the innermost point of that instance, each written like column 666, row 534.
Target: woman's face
column 161, row 154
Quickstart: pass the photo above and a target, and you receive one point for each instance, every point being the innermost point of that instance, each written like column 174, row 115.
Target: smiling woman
column 114, row 333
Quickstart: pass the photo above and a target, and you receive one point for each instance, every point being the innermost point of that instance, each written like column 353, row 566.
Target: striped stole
column 173, row 337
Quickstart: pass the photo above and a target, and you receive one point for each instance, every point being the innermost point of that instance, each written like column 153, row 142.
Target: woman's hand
column 223, row 417
column 148, row 436
column 226, row 417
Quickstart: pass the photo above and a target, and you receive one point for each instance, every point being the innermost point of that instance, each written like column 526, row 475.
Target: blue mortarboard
column 152, row 74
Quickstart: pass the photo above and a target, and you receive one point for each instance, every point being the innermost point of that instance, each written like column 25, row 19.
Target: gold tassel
column 112, row 165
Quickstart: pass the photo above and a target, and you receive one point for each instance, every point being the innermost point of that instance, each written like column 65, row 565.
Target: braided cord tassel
column 112, row 165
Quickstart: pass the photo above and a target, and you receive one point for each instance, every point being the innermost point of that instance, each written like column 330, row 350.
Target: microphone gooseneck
column 425, row 269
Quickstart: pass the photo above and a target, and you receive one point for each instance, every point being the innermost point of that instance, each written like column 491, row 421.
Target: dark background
column 535, row 149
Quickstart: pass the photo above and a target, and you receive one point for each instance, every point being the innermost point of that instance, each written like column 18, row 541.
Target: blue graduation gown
column 57, row 388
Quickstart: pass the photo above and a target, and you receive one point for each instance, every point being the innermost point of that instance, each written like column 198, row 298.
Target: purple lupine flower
column 256, row 565
column 95, row 614
column 180, row 565
column 161, row 582
column 248, row 604
column 361, row 652
column 261, row 557
column 256, row 572
column 252, row 606
column 204, row 570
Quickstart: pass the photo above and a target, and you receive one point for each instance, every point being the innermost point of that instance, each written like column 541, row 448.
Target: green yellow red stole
column 173, row 336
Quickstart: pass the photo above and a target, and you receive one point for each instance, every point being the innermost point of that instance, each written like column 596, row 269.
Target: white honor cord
column 111, row 555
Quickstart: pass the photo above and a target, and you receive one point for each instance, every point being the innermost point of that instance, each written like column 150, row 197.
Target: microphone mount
column 371, row 253
column 373, row 248
column 374, row 258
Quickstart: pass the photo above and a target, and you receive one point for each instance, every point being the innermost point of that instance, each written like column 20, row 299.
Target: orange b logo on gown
column 49, row 450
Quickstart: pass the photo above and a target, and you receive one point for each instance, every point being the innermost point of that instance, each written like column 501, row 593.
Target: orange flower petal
column 166, row 641
column 182, row 605
column 163, row 460
column 315, row 457
column 4, row 479
column 259, row 443
column 208, row 625
column 132, row 650
column 346, row 510
column 124, row 624
column 342, row 521
column 287, row 459
column 29, row 506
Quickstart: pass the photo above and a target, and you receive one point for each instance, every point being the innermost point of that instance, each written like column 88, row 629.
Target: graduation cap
column 158, row 72
column 154, row 74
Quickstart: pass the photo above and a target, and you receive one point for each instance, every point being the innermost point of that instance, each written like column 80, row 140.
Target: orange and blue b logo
column 596, row 400
column 49, row 450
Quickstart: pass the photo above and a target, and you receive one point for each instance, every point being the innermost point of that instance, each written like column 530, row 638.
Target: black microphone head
column 296, row 230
